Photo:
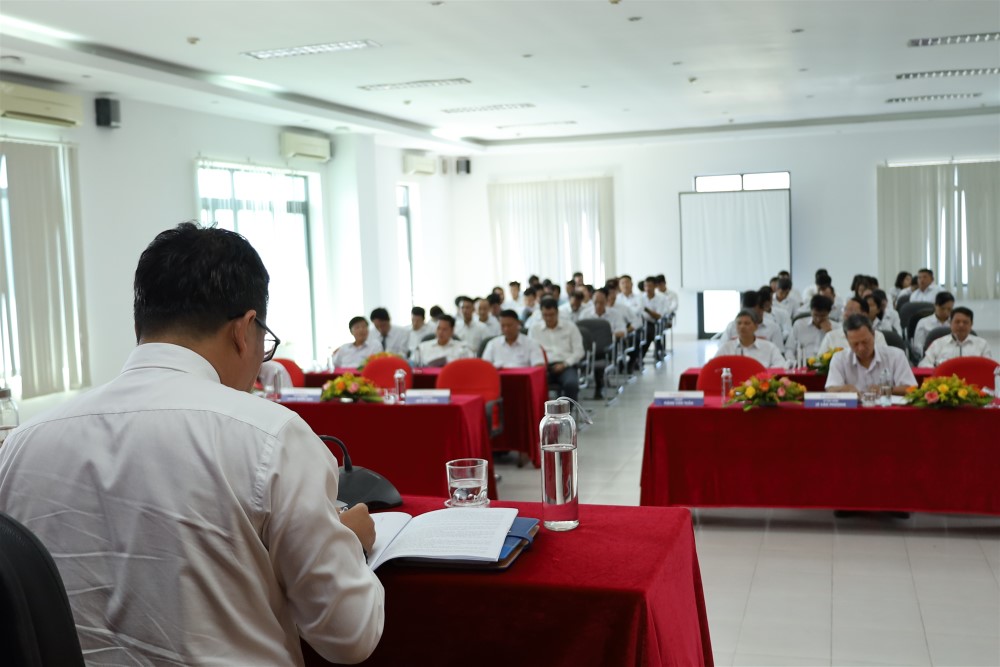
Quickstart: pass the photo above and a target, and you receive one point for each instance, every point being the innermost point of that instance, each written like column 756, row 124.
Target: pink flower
column 932, row 397
column 353, row 388
column 781, row 392
column 785, row 381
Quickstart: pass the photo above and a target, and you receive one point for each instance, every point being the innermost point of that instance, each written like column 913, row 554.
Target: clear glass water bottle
column 727, row 383
column 558, row 437
column 9, row 418
column 399, row 382
column 885, row 389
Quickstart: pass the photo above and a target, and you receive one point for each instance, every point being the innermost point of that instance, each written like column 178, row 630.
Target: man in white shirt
column 513, row 349
column 612, row 317
column 863, row 365
column 419, row 329
column 961, row 342
column 943, row 303
column 673, row 301
column 808, row 333
column 633, row 319
column 574, row 309
column 836, row 337
column 786, row 295
column 352, row 355
column 191, row 521
column 887, row 316
column 774, row 316
column 469, row 329
column 626, row 295
column 485, row 314
column 529, row 306
column 811, row 291
column 767, row 328
column 926, row 290
column 443, row 348
column 390, row 338
column 563, row 345
column 653, row 305
column 748, row 345
column 514, row 301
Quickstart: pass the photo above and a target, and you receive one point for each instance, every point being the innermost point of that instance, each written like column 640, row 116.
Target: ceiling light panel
column 933, row 98
column 976, row 71
column 524, row 125
column 428, row 83
column 956, row 39
column 313, row 49
column 490, row 107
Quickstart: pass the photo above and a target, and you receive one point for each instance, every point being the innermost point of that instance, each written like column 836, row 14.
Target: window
column 772, row 180
column 270, row 207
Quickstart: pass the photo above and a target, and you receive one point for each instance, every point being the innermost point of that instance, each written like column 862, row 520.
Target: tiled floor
column 799, row 587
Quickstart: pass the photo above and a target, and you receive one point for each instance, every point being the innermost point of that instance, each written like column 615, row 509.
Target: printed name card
column 674, row 398
column 301, row 394
column 832, row 399
column 428, row 396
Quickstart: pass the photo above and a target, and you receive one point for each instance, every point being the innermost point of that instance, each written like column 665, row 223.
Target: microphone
column 360, row 485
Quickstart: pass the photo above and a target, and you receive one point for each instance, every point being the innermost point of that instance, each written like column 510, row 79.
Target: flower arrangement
column 351, row 387
column 377, row 355
column 764, row 389
column 821, row 364
column 947, row 392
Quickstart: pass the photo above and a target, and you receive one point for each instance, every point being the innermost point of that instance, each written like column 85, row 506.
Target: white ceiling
column 684, row 66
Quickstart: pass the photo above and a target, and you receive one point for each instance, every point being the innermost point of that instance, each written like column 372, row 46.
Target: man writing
column 193, row 521
column 863, row 365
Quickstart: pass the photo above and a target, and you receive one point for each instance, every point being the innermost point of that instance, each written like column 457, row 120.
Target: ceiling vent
column 307, row 146
column 419, row 164
column 39, row 105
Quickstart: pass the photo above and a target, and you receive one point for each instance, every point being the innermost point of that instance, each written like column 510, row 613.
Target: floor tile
column 748, row 660
column 961, row 619
column 879, row 645
column 762, row 637
column 963, row 651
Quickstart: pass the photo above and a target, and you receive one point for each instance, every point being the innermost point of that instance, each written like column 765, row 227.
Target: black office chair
column 36, row 623
column 483, row 344
column 605, row 361
column 911, row 313
column 893, row 339
column 902, row 300
column 934, row 334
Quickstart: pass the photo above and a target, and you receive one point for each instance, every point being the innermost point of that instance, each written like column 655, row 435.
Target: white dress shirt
column 523, row 353
column 350, row 355
column 673, row 301
column 192, row 523
column 845, row 369
column 762, row 350
column 657, row 304
column 513, row 304
column 948, row 347
column 837, row 338
column 806, row 334
column 565, row 312
column 563, row 343
column 768, row 330
column 783, row 319
column 791, row 304
column 429, row 351
column 492, row 325
column 632, row 300
column 416, row 337
column 924, row 327
column 397, row 341
column 471, row 334
column 630, row 317
column 924, row 296
column 890, row 321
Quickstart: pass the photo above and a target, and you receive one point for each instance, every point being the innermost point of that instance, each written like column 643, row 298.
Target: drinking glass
column 467, row 482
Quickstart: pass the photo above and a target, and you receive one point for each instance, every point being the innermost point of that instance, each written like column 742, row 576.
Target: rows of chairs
column 612, row 363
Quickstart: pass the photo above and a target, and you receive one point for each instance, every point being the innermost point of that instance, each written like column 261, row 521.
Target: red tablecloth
column 524, row 392
column 900, row 458
column 406, row 444
column 811, row 379
column 622, row 589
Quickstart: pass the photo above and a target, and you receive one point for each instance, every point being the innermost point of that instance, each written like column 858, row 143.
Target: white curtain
column 944, row 217
column 41, row 307
column 553, row 228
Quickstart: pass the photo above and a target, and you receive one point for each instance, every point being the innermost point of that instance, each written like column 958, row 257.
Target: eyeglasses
column 271, row 342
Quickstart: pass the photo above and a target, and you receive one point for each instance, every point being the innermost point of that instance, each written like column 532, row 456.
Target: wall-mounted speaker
column 463, row 166
column 108, row 112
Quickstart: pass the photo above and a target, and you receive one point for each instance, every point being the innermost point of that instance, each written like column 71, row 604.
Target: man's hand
column 558, row 367
column 358, row 520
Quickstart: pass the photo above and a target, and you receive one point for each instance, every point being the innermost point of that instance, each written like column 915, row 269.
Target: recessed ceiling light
column 427, row 83
column 955, row 39
column 975, row 71
column 37, row 28
column 490, row 107
column 549, row 124
column 313, row 49
column 933, row 98
column 244, row 81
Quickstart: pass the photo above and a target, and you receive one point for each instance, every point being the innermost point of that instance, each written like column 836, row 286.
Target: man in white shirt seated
column 530, row 301
column 612, row 317
column 193, row 522
column 673, row 301
column 863, row 364
column 390, row 338
column 574, row 309
column 961, row 342
column 627, row 296
column 469, row 329
column 654, row 306
column 748, row 345
column 485, row 314
column 811, row 291
column 774, row 316
column 836, row 337
column 785, row 297
column 633, row 320
column 887, row 316
column 943, row 303
column 419, row 329
column 352, row 355
column 513, row 349
column 514, row 301
column 563, row 345
column 767, row 329
column 807, row 333
column 925, row 290
column 443, row 348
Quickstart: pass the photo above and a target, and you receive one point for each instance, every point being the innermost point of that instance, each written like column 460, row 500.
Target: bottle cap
column 557, row 407
column 4, row 393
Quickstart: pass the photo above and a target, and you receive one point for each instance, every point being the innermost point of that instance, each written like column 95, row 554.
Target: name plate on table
column 301, row 394
column 675, row 398
column 428, row 396
column 831, row 399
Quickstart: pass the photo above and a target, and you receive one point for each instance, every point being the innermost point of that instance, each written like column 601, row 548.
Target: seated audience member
column 555, row 291
column 785, row 297
column 573, row 310
column 564, row 346
column 778, row 317
column 192, row 522
column 418, row 330
column 513, row 349
column 435, row 312
column 627, row 295
column 766, row 329
column 673, row 301
column 793, row 293
column 569, row 289
column 903, row 285
column 836, row 337
column 925, row 291
column 654, row 306
column 529, row 307
column 860, row 284
column 773, row 283
column 887, row 316
column 807, row 333
column 813, row 289
column 746, row 344
column 961, row 343
column 861, row 365
column 943, row 303
column 443, row 348
column 352, row 355
column 578, row 280
column 469, row 329
column 514, row 301
column 498, row 291
column 536, row 282
column 484, row 311
column 633, row 320
column 390, row 338
column 496, row 303
column 602, row 312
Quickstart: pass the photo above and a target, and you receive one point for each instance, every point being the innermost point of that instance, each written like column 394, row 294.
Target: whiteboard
column 734, row 240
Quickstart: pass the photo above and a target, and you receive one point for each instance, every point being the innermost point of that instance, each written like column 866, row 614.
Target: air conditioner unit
column 419, row 164
column 309, row 146
column 39, row 105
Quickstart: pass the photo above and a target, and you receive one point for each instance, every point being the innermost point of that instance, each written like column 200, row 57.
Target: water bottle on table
column 558, row 438
column 8, row 414
column 399, row 383
column 727, row 383
column 885, row 389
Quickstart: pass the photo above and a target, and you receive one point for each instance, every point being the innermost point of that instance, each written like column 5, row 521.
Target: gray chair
column 36, row 622
column 933, row 335
column 894, row 339
column 606, row 350
column 911, row 313
column 902, row 300
column 482, row 346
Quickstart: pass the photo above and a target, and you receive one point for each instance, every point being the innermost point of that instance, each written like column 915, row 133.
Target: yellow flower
column 750, row 392
column 811, row 361
column 942, row 388
column 827, row 355
column 962, row 393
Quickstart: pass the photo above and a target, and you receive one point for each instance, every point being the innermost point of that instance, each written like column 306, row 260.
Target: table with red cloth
column 406, row 444
column 622, row 589
column 894, row 459
column 524, row 392
column 812, row 380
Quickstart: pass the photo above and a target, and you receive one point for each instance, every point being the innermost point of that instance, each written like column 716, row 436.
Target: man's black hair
column 379, row 314
column 962, row 310
column 419, row 312
column 785, row 283
column 447, row 318
column 823, row 304
column 195, row 279
column 509, row 313
column 750, row 299
column 824, row 281
column 493, row 298
column 355, row 320
column 548, row 303
column 943, row 297
column 530, row 291
column 436, row 312
column 863, row 303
